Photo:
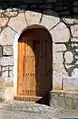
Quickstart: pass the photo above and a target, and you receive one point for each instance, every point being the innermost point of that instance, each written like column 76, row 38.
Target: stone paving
column 24, row 110
column 31, row 110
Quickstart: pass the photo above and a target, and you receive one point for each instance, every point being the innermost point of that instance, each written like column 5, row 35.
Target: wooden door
column 34, row 63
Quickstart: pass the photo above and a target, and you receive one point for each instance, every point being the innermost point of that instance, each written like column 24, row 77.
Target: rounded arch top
column 29, row 27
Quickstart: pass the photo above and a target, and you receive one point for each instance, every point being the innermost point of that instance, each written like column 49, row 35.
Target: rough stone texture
column 50, row 19
column 0, row 51
column 59, row 48
column 64, row 99
column 3, row 21
column 32, row 17
column 4, row 68
column 74, row 30
column 74, row 39
column 6, row 81
column 70, row 84
column 2, row 94
column 58, row 52
column 7, row 36
column 57, row 82
column 60, row 33
column 75, row 71
column 68, row 57
column 5, row 73
column 6, row 61
column 70, row 20
column 58, row 57
column 18, row 23
column 11, row 73
column 7, row 50
column 11, row 13
column 11, row 68
column 59, row 70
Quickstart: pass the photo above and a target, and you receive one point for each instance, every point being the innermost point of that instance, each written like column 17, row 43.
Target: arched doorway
column 34, row 72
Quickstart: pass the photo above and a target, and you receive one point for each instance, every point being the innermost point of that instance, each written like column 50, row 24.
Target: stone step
column 64, row 99
column 27, row 98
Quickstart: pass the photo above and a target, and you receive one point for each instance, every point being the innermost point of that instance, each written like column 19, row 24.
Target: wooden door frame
column 15, row 52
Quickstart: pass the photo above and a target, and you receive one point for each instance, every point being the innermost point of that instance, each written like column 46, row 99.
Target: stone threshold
column 27, row 98
column 64, row 99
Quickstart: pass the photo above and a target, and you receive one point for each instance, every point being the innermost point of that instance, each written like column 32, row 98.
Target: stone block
column 59, row 48
column 5, row 73
column 0, row 51
column 6, row 60
column 70, row 20
column 74, row 39
column 4, row 68
column 8, row 50
column 10, row 73
column 57, row 82
column 18, row 23
column 50, row 19
column 7, row 36
column 11, row 13
column 32, row 17
column 10, row 68
column 59, row 70
column 3, row 21
column 68, row 56
column 74, row 30
column 68, row 103
column 62, row 100
column 6, row 93
column 2, row 94
column 75, row 104
column 60, row 33
column 58, row 57
column 54, row 100
column 66, row 99
column 70, row 84
column 6, row 81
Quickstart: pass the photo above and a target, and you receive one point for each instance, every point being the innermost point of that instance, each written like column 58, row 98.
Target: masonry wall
column 61, row 20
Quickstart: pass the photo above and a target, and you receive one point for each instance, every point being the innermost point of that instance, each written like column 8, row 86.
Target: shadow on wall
column 62, row 7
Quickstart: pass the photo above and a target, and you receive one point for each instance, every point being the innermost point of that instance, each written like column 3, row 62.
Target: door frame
column 15, row 51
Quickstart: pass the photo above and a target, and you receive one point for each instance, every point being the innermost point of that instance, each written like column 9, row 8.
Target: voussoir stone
column 74, row 30
column 50, row 19
column 18, row 23
column 60, row 33
column 3, row 21
column 7, row 36
column 7, row 50
column 32, row 17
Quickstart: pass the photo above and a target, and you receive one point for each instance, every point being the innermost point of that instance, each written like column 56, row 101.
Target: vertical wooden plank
column 20, row 67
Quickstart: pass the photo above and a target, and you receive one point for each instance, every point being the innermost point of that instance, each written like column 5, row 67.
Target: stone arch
column 15, row 47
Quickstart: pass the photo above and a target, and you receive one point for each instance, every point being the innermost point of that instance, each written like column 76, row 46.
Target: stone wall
column 59, row 17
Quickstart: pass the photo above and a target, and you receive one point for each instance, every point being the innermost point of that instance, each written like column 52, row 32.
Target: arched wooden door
column 34, row 63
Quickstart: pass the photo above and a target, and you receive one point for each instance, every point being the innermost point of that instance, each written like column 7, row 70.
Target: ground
column 31, row 110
